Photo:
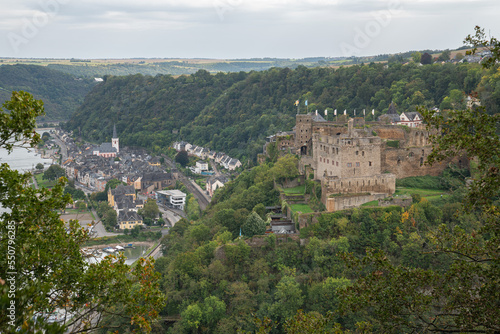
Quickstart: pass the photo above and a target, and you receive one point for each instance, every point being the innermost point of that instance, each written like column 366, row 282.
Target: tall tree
column 426, row 59
column 182, row 158
column 53, row 172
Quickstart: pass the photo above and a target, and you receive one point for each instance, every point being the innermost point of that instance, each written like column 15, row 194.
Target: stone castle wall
column 381, row 183
column 348, row 202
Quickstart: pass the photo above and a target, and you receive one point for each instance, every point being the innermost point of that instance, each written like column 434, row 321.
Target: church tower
column 114, row 140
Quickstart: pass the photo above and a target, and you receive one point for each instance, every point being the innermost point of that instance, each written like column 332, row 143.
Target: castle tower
column 114, row 141
column 303, row 132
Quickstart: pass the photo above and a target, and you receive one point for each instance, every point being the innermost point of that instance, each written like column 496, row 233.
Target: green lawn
column 437, row 199
column 420, row 191
column 372, row 203
column 44, row 183
column 296, row 190
column 304, row 208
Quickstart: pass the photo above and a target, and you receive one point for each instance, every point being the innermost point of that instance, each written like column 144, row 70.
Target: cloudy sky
column 231, row 29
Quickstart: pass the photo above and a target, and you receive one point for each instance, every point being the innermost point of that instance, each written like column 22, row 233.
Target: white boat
column 109, row 250
column 119, row 248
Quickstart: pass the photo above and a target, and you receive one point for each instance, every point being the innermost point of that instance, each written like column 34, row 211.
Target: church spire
column 114, row 141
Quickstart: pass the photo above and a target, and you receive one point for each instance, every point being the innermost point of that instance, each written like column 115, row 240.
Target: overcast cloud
column 236, row 28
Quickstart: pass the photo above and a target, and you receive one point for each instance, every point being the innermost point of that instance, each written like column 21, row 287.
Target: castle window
column 337, row 163
column 333, row 163
column 327, row 161
column 320, row 159
column 349, row 164
column 357, row 152
column 369, row 163
column 357, row 164
column 337, row 150
column 363, row 153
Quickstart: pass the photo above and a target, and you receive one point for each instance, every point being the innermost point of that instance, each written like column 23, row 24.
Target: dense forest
column 218, row 282
column 62, row 93
column 234, row 112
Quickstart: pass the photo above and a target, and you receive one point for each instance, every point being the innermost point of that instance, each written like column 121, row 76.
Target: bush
column 393, row 143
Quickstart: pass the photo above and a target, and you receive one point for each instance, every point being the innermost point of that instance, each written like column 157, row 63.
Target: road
column 214, row 167
column 64, row 149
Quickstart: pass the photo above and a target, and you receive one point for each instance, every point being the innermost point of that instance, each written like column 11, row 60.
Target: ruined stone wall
column 405, row 162
column 338, row 203
column 305, row 163
column 381, row 183
column 408, row 137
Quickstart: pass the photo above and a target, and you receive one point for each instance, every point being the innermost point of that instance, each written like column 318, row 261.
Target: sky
column 231, row 29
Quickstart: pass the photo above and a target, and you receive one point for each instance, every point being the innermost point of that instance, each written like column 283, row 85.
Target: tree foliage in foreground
column 47, row 271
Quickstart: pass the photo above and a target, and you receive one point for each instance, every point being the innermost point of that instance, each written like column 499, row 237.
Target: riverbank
column 148, row 244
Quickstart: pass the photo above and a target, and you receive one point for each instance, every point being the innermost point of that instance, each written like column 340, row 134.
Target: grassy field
column 432, row 195
column 304, row 208
column 420, row 191
column 296, row 190
column 372, row 203
column 44, row 183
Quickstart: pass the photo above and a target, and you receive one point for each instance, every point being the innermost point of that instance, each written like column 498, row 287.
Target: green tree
column 416, row 56
column 39, row 166
column 192, row 317
column 254, row 225
column 444, row 56
column 426, row 59
column 45, row 260
column 182, row 158
column 53, row 172
column 81, row 206
column 135, row 231
column 151, row 209
column 288, row 298
column 112, row 184
column 261, row 210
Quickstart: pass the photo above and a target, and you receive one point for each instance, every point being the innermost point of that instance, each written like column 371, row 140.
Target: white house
column 411, row 119
column 202, row 166
column 233, row 164
column 172, row 198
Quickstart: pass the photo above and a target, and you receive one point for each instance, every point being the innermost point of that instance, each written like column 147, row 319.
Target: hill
column 62, row 93
column 235, row 112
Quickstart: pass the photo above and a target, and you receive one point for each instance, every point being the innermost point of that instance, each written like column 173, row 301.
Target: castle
column 357, row 162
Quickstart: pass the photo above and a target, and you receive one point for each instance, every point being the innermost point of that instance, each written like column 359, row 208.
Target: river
column 23, row 159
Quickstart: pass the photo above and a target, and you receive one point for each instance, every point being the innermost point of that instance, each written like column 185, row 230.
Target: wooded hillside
column 234, row 112
column 62, row 93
